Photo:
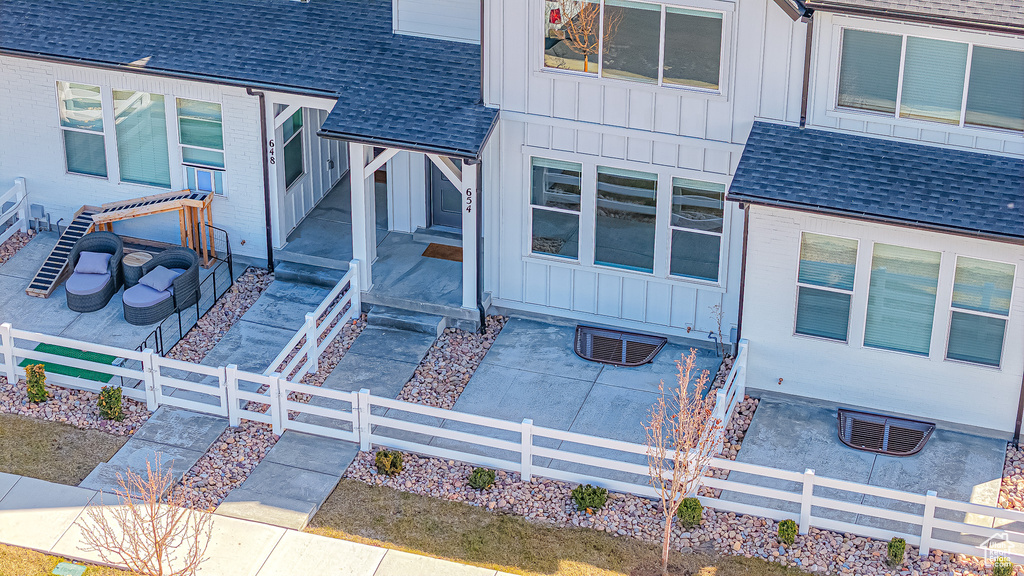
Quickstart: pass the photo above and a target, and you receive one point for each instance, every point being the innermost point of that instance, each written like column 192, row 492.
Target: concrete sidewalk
column 47, row 517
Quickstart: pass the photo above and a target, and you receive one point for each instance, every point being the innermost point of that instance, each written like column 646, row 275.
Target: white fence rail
column 924, row 520
column 17, row 213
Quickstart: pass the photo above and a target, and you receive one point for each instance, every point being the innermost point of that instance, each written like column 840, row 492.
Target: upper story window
column 635, row 41
column 918, row 78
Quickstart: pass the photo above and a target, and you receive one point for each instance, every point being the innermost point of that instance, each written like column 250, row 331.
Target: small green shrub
column 1002, row 567
column 590, row 498
column 481, row 478
column 110, row 403
column 897, row 548
column 787, row 532
column 689, row 513
column 36, row 376
column 389, row 462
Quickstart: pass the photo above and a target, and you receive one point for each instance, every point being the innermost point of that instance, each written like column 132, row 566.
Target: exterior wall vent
column 883, row 434
column 616, row 347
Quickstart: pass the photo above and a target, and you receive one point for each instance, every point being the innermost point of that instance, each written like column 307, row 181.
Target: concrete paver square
column 7, row 481
column 397, row 563
column 285, row 304
column 182, row 428
column 267, row 509
column 135, row 455
column 299, row 553
column 513, row 394
column 392, row 344
column 249, row 345
column 384, row 377
column 49, row 316
column 663, row 367
column 315, row 453
column 27, row 261
column 34, row 513
column 539, row 347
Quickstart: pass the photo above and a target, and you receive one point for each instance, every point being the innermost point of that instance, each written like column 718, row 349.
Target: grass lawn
column 464, row 533
column 52, row 451
column 50, row 367
column 22, row 562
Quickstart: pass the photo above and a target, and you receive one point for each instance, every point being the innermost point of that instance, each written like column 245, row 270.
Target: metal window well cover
column 883, row 434
column 616, row 347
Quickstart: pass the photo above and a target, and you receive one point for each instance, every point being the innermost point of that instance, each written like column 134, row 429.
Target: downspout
column 743, row 271
column 1020, row 415
column 482, row 2
column 808, row 17
column 480, row 247
column 266, row 174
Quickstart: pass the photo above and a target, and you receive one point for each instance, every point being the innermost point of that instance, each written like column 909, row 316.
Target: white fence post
column 312, row 347
column 353, row 270
column 10, row 366
column 276, row 405
column 22, row 198
column 151, row 381
column 527, row 451
column 926, row 523
column 362, row 410
column 805, row 501
column 231, row 381
column 222, row 381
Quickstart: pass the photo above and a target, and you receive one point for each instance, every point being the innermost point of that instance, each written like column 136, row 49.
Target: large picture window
column 140, row 125
column 934, row 76
column 696, row 222
column 901, row 299
column 982, row 292
column 825, row 286
column 293, row 164
column 627, row 205
column 555, row 207
column 635, row 41
column 81, row 122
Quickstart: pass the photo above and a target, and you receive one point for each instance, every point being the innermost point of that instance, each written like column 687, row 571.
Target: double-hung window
column 201, row 136
column 81, row 121
column 140, row 125
column 926, row 79
column 696, row 222
column 627, row 205
column 825, row 286
column 901, row 299
column 555, row 206
column 981, row 304
column 635, row 41
column 293, row 165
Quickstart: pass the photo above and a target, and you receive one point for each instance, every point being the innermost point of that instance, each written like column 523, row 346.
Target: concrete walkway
column 48, row 517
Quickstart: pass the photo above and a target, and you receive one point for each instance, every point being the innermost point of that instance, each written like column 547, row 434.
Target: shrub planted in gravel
column 897, row 548
column 590, row 498
column 689, row 513
column 389, row 462
column 36, row 376
column 110, row 403
column 481, row 478
column 1002, row 567
column 787, row 532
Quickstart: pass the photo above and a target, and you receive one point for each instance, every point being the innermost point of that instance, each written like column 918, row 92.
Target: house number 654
column 469, row 200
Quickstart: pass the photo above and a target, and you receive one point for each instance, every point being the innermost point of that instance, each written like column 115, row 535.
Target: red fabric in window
column 555, row 16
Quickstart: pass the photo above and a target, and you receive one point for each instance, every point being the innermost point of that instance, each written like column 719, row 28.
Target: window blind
column 933, row 80
column 85, row 153
column 869, row 72
column 976, row 338
column 982, row 291
column 141, row 130
column 901, row 299
column 991, row 99
column 829, row 263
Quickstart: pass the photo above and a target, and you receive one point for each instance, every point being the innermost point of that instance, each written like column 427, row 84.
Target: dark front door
column 445, row 199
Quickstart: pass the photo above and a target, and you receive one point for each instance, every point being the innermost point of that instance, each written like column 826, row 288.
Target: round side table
column 131, row 265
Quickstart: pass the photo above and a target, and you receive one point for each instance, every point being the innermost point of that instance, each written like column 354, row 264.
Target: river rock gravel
column 16, row 242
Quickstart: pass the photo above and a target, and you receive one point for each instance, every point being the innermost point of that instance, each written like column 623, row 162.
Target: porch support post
column 364, row 237
column 470, row 235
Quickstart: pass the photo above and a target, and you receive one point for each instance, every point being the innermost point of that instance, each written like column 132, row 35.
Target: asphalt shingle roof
column 886, row 180
column 1004, row 13
column 411, row 91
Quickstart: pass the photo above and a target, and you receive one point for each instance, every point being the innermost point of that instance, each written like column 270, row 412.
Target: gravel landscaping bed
column 445, row 370
column 16, row 242
column 75, row 407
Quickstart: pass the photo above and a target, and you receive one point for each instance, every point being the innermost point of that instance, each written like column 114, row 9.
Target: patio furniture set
column 155, row 285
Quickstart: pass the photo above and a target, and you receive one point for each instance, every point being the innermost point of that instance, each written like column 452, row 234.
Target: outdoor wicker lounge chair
column 144, row 304
column 88, row 291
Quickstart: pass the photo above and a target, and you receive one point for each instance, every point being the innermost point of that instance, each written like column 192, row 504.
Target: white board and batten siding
column 606, row 122
column 848, row 373
column 457, row 20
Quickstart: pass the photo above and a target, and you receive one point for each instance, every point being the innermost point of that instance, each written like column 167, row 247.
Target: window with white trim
column 627, row 206
column 828, row 266
column 555, row 207
column 140, row 125
column 201, row 136
column 912, row 77
column 696, row 221
column 982, row 292
column 81, row 121
column 901, row 299
column 635, row 41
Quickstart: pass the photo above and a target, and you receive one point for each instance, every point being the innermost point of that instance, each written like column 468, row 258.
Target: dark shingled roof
column 412, row 92
column 1004, row 14
column 914, row 184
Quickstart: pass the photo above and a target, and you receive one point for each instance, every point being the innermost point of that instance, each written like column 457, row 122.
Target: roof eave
column 840, row 8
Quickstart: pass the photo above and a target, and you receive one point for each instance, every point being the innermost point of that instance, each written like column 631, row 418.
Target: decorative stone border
column 16, row 242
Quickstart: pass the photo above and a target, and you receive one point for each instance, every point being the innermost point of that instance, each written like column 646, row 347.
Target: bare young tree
column 682, row 436
column 150, row 531
column 582, row 22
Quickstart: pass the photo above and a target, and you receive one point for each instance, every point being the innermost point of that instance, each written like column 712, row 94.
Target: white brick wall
column 31, row 146
column 851, row 375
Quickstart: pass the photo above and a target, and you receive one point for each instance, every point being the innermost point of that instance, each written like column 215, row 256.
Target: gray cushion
column 159, row 278
column 85, row 284
column 142, row 296
column 92, row 263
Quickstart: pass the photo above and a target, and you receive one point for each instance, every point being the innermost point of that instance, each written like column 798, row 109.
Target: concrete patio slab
column 299, row 553
column 539, row 347
column 173, row 460
column 384, row 377
column 401, row 271
column 664, row 368
column 512, row 394
column 392, row 344
column 182, row 428
column 249, row 345
column 49, row 316
column 315, row 453
column 34, row 513
column 27, row 261
column 285, row 304
column 398, row 563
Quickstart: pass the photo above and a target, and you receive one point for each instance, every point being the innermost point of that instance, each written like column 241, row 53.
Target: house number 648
column 469, row 200
column 270, row 146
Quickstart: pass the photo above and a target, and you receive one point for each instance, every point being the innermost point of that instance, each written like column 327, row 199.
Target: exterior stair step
column 406, row 320
column 308, row 274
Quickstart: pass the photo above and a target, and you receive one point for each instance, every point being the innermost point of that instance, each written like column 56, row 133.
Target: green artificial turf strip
column 71, row 371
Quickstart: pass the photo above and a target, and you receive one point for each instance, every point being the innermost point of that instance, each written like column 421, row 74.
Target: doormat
column 443, row 252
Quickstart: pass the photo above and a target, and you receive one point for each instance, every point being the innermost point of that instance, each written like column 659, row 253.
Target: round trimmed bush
column 389, row 462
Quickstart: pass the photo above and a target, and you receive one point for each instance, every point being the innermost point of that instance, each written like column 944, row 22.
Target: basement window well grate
column 883, row 434
column 616, row 347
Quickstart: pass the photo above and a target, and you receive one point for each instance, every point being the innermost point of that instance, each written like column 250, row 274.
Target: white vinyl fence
column 14, row 209
column 924, row 520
